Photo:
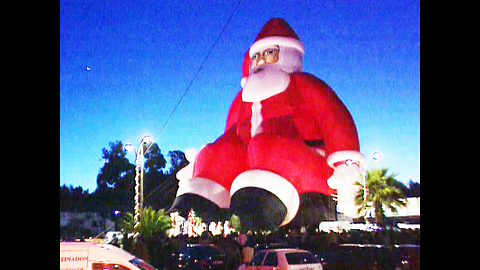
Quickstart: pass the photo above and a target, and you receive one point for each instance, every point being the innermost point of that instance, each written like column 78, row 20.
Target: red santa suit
column 287, row 138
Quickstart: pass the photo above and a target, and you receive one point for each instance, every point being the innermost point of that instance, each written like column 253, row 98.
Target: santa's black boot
column 257, row 209
column 203, row 207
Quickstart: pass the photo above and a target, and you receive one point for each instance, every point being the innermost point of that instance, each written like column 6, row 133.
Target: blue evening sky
column 141, row 56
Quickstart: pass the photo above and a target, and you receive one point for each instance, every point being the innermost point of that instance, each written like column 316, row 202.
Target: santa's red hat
column 276, row 32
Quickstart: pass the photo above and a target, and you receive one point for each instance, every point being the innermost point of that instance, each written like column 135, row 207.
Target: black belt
column 315, row 143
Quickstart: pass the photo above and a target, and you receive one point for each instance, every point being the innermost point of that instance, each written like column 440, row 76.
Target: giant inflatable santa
column 287, row 133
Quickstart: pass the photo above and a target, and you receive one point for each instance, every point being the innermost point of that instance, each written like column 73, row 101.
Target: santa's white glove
column 186, row 173
column 343, row 180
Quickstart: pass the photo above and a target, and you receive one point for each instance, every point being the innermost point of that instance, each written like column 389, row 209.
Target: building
column 84, row 224
column 407, row 217
column 412, row 209
column 409, row 214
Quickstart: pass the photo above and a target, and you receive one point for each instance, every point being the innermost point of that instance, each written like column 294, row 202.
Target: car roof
column 199, row 246
column 361, row 245
column 283, row 250
column 98, row 251
column 273, row 246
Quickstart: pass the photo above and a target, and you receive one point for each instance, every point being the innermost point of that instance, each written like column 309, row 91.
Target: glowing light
column 377, row 155
column 147, row 139
column 129, row 147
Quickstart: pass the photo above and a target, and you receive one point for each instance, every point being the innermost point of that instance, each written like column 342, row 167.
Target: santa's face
column 269, row 72
column 267, row 55
column 265, row 80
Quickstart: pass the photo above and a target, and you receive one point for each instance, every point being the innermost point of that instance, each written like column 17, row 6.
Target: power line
column 198, row 71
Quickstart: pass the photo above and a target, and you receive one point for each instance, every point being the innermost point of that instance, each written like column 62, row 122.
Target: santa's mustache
column 266, row 70
column 259, row 69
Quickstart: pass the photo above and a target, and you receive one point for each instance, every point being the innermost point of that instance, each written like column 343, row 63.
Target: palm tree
column 151, row 222
column 384, row 191
column 153, row 228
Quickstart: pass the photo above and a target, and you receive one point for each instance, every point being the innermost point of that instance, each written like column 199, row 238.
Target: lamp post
column 139, row 172
column 375, row 156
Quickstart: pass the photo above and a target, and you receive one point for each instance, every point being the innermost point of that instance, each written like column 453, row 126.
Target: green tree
column 152, row 222
column 154, row 225
column 115, row 181
column 412, row 190
column 127, row 222
column 116, row 168
column 384, row 191
column 177, row 161
column 235, row 222
column 160, row 183
column 73, row 199
column 154, row 175
column 155, row 161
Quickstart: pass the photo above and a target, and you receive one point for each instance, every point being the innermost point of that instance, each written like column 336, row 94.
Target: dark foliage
column 116, row 182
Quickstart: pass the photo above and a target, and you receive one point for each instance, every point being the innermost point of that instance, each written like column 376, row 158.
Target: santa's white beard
column 265, row 81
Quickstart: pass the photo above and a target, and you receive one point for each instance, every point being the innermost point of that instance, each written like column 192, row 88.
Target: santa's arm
column 336, row 123
column 340, row 137
column 232, row 117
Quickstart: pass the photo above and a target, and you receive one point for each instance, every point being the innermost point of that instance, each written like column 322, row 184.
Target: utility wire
column 197, row 72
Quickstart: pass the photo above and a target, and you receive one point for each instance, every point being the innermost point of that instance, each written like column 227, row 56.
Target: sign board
column 74, row 260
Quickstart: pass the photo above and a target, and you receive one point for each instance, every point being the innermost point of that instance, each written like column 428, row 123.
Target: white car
column 283, row 259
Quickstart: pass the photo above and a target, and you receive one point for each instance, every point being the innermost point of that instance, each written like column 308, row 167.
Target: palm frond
column 384, row 191
column 151, row 222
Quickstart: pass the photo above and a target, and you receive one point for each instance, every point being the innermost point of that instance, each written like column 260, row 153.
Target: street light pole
column 375, row 156
column 139, row 173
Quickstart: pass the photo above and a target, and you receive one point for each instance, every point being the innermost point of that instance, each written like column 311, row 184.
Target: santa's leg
column 282, row 168
column 215, row 168
column 304, row 167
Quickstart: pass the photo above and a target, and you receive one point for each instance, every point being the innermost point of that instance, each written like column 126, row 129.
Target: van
column 96, row 256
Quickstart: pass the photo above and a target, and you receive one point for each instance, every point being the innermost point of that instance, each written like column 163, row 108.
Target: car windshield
column 299, row 258
column 142, row 264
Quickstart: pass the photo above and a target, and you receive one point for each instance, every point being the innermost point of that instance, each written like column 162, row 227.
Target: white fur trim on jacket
column 273, row 183
column 344, row 155
column 186, row 173
column 206, row 188
column 243, row 81
column 276, row 40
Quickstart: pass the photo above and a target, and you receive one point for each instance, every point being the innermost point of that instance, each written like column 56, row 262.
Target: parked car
column 198, row 256
column 282, row 259
column 335, row 259
column 370, row 256
column 259, row 247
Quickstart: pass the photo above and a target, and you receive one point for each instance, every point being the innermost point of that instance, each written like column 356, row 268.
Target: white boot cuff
column 206, row 188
